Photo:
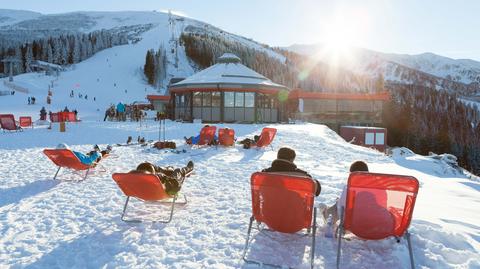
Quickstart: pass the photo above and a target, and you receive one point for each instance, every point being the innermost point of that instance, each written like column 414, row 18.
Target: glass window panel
column 216, row 99
column 249, row 99
column 229, row 99
column 369, row 138
column 379, row 139
column 239, row 99
column 197, row 99
column 207, row 99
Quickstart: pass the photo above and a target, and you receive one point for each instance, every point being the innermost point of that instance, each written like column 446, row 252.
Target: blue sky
column 449, row 28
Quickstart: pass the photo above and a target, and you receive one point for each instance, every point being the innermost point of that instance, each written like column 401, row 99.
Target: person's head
column 358, row 166
column 62, row 146
column 286, row 153
column 146, row 168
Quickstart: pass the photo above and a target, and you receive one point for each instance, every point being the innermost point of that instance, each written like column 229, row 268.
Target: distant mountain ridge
column 426, row 69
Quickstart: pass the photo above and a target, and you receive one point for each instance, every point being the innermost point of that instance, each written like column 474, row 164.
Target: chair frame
column 18, row 128
column 172, row 203
column 341, row 232
column 311, row 231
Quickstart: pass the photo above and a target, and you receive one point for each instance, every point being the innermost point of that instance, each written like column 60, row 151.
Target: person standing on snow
column 121, row 111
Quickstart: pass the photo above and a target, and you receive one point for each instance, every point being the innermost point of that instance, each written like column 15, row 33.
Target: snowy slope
column 61, row 224
column 112, row 75
column 9, row 16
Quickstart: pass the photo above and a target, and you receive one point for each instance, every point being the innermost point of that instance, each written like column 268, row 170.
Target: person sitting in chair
column 284, row 163
column 248, row 142
column 171, row 178
column 334, row 210
column 90, row 158
column 193, row 140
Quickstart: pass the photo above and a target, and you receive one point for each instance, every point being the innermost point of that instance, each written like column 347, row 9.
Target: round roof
column 227, row 73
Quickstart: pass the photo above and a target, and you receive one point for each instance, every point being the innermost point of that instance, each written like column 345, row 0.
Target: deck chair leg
column 86, row 174
column 125, row 208
column 410, row 250
column 314, row 232
column 54, row 177
column 248, row 239
column 340, row 233
column 171, row 211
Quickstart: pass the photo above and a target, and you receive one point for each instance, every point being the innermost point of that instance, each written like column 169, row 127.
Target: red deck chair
column 266, row 137
column 145, row 187
column 226, row 137
column 207, row 134
column 26, row 122
column 66, row 159
column 285, row 204
column 70, row 116
column 7, row 123
column 378, row 206
column 54, row 117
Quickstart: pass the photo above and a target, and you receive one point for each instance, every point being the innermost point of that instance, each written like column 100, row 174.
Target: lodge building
column 231, row 92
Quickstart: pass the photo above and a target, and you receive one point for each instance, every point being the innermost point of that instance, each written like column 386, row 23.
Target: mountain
column 427, row 69
column 112, row 74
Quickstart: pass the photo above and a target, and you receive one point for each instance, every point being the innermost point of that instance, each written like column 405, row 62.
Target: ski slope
column 64, row 224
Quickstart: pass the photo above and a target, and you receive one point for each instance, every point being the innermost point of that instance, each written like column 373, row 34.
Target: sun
column 341, row 34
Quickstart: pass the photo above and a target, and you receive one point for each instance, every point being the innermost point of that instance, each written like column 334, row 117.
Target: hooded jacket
column 280, row 165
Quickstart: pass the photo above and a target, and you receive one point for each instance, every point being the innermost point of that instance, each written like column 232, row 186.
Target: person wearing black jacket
column 284, row 163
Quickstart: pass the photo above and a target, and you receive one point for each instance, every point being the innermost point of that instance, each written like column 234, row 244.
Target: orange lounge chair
column 66, row 159
column 378, row 206
column 226, row 137
column 26, row 122
column 207, row 134
column 285, row 204
column 266, row 137
column 7, row 123
column 145, row 187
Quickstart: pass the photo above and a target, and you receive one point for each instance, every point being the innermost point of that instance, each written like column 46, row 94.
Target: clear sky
column 446, row 27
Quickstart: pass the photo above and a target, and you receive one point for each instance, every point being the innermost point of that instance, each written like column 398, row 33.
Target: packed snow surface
column 47, row 223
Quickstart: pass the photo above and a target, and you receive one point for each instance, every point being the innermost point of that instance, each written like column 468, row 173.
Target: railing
column 15, row 87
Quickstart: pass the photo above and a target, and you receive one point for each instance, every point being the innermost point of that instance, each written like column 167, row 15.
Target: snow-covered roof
column 227, row 73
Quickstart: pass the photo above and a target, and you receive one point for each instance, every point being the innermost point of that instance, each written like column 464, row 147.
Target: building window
column 249, row 99
column 197, row 99
column 229, row 99
column 379, row 139
column 239, row 99
column 369, row 138
column 207, row 99
column 216, row 99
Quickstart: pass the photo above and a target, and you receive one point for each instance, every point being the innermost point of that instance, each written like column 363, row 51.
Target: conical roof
column 227, row 73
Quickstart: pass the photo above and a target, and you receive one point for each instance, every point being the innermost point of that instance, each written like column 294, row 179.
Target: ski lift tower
column 173, row 40
column 11, row 61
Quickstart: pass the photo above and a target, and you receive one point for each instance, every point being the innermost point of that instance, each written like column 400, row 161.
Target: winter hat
column 359, row 166
column 286, row 154
column 146, row 168
column 62, row 146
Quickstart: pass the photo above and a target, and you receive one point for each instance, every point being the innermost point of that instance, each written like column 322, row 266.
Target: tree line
column 297, row 71
column 155, row 68
column 63, row 49
column 426, row 120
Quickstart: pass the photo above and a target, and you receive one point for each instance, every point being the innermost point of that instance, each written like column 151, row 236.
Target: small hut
column 226, row 92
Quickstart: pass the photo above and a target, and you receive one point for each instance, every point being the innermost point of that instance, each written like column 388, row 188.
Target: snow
column 227, row 73
column 9, row 16
column 57, row 224
column 65, row 224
